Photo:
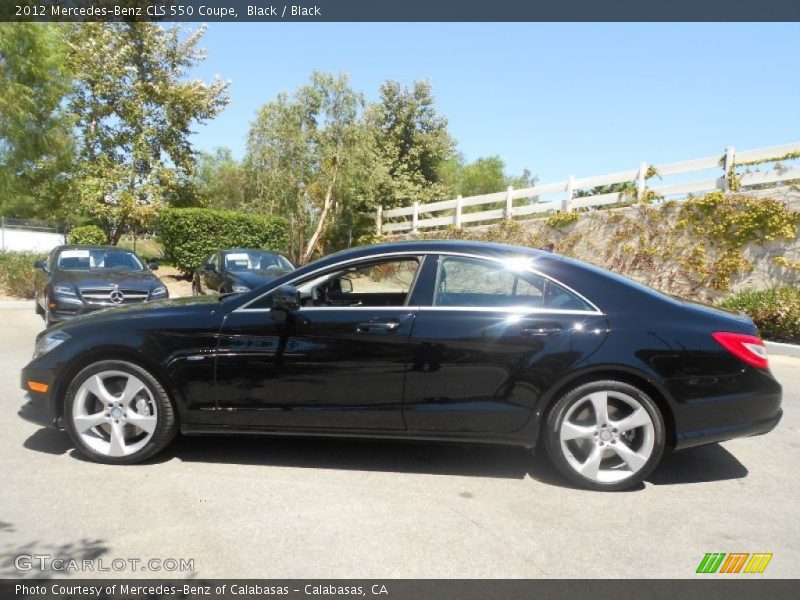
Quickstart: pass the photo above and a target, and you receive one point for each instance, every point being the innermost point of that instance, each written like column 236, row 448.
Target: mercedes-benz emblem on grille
column 117, row 297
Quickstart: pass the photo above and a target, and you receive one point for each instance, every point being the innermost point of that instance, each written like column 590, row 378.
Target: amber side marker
column 37, row 387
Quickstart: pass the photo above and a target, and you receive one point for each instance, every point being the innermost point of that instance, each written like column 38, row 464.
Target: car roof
column 92, row 247
column 454, row 246
column 248, row 250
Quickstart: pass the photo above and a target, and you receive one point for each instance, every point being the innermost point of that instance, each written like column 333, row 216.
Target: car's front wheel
column 116, row 412
column 605, row 435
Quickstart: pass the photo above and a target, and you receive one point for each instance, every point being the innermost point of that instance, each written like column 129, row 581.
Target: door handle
column 540, row 331
column 387, row 326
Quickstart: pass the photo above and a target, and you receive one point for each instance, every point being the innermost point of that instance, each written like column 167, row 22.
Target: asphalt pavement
column 286, row 508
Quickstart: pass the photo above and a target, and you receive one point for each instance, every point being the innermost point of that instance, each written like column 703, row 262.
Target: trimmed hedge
column 190, row 235
column 88, row 235
column 775, row 312
column 17, row 272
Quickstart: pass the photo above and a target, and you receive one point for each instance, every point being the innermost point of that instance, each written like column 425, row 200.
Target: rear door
column 495, row 337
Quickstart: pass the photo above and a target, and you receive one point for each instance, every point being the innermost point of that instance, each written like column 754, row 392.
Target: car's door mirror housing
column 346, row 285
column 40, row 264
column 210, row 267
column 286, row 299
column 153, row 266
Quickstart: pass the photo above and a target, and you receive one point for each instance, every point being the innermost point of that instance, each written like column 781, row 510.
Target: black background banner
column 399, row 10
column 711, row 587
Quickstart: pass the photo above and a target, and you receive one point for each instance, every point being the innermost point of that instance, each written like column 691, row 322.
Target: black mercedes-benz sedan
column 429, row 340
column 238, row 271
column 74, row 280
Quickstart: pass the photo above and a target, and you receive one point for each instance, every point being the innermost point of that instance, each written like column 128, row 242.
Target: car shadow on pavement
column 432, row 458
column 696, row 465
column 49, row 442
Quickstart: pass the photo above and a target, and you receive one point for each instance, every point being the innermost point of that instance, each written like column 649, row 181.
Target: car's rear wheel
column 605, row 435
column 116, row 412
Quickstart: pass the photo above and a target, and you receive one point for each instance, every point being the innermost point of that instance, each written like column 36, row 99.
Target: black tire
column 166, row 423
column 195, row 290
column 578, row 395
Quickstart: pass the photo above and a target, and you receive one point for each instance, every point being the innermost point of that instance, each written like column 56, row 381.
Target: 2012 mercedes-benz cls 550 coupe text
column 74, row 280
column 425, row 340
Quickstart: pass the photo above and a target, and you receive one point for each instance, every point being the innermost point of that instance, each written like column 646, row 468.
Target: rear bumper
column 701, row 437
column 751, row 406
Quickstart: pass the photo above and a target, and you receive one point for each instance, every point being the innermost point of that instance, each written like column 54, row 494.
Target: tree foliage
column 309, row 157
column 134, row 108
column 412, row 142
column 35, row 131
column 219, row 181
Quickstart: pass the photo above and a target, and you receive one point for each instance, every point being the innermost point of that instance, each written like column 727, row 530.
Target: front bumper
column 39, row 407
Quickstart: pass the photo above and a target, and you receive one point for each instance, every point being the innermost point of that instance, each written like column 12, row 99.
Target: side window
column 385, row 282
column 213, row 260
column 381, row 283
column 473, row 282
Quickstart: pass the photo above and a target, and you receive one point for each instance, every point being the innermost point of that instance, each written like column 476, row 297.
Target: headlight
column 240, row 289
column 64, row 290
column 158, row 291
column 47, row 342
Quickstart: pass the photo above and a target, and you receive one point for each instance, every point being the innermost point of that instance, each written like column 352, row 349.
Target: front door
column 338, row 362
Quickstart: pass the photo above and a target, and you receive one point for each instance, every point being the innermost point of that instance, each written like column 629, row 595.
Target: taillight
column 748, row 348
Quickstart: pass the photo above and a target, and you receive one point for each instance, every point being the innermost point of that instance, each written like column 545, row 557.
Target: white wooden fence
column 20, row 236
column 424, row 216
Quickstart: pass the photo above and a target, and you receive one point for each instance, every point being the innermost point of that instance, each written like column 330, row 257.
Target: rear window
column 474, row 282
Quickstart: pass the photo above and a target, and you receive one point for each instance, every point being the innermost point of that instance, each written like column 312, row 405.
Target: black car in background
column 238, row 271
column 438, row 340
column 74, row 280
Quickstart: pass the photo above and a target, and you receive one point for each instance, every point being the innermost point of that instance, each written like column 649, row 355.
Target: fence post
column 459, row 202
column 729, row 164
column 641, row 181
column 379, row 221
column 566, row 204
column 509, row 202
column 415, row 218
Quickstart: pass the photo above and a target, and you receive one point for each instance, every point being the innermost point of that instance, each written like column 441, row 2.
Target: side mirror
column 153, row 266
column 346, row 285
column 210, row 267
column 40, row 264
column 286, row 299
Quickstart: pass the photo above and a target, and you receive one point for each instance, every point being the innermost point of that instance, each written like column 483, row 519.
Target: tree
column 483, row 176
column 134, row 108
column 413, row 142
column 35, row 131
column 220, row 181
column 303, row 152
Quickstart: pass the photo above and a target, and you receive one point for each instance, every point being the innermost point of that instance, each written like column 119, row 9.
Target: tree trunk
column 323, row 218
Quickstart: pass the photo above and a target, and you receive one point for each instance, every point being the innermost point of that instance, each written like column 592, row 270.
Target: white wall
column 20, row 240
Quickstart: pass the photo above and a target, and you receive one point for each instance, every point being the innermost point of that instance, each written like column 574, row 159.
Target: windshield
column 256, row 260
column 96, row 258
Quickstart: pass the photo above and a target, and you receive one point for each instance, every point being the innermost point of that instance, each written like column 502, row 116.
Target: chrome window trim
column 418, row 253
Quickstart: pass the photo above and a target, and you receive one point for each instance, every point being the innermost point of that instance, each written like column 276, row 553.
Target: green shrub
column 88, row 235
column 189, row 235
column 17, row 272
column 775, row 312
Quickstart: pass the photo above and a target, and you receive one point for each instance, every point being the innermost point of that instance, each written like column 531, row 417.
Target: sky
column 558, row 99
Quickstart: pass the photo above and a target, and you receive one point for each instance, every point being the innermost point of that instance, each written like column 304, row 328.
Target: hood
column 253, row 279
column 160, row 308
column 138, row 280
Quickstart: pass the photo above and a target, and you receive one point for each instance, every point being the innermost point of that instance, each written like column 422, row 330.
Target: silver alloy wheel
column 607, row 436
column 114, row 413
